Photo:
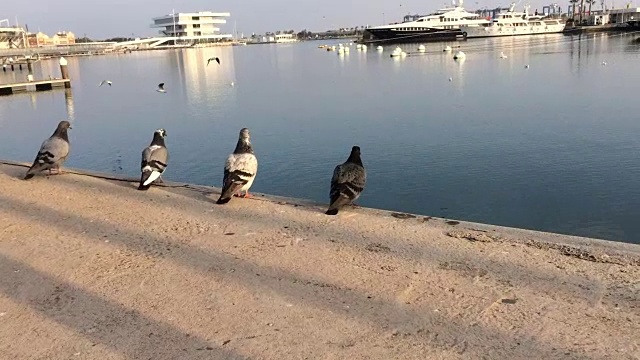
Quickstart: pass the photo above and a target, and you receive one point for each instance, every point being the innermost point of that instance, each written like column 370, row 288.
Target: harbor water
column 551, row 146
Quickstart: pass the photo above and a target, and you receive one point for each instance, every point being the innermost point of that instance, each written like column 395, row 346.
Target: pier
column 38, row 85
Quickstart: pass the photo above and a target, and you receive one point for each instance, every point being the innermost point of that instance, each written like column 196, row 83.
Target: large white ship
column 443, row 24
column 513, row 23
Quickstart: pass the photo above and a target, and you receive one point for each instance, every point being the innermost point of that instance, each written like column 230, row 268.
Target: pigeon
column 347, row 182
column 161, row 88
column 213, row 59
column 53, row 152
column 154, row 160
column 240, row 169
column 105, row 82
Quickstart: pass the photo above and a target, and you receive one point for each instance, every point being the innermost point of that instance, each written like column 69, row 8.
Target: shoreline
column 96, row 269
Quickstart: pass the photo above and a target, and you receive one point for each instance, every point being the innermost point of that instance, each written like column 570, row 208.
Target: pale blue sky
column 106, row 18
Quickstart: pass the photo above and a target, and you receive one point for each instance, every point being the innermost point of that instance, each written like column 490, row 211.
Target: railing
column 59, row 49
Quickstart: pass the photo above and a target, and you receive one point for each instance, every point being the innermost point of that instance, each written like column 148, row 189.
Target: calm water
column 554, row 147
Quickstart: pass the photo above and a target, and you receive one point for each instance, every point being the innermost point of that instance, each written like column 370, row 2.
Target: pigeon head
column 244, row 143
column 354, row 157
column 162, row 132
column 64, row 125
column 244, row 134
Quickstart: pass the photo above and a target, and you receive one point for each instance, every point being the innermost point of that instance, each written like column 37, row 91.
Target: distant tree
column 591, row 3
column 278, row 32
column 119, row 39
column 83, row 39
column 291, row 32
column 581, row 10
column 573, row 8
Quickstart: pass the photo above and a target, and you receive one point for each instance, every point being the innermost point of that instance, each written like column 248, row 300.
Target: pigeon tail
column 223, row 201
column 28, row 176
column 228, row 192
column 145, row 184
column 332, row 212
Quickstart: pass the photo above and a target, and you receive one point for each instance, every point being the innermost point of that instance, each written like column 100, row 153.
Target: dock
column 41, row 85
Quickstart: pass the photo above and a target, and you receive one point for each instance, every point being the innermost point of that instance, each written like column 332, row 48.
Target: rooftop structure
column 199, row 26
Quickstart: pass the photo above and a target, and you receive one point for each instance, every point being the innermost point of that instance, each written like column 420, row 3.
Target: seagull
column 161, row 88
column 240, row 169
column 502, row 55
column 154, row 160
column 232, row 83
column 108, row 82
column 347, row 182
column 450, row 79
column 53, row 152
column 212, row 59
column 604, row 63
column 526, row 66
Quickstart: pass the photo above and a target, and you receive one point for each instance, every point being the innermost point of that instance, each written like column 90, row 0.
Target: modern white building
column 199, row 26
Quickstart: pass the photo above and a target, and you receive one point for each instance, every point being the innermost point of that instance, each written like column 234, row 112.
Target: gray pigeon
column 240, row 169
column 53, row 152
column 347, row 182
column 154, row 160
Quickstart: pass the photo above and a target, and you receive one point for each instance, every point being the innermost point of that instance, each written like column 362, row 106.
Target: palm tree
column 573, row 8
column 591, row 3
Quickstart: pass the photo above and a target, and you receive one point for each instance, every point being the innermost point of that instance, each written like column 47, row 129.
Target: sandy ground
column 93, row 269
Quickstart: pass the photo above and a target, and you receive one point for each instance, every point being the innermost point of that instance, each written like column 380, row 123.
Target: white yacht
column 512, row 23
column 443, row 24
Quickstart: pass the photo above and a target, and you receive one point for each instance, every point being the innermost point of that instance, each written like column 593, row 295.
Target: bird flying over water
column 502, row 55
column 105, row 82
column 154, row 160
column 526, row 66
column 161, row 88
column 53, row 152
column 347, row 182
column 216, row 59
column 240, row 169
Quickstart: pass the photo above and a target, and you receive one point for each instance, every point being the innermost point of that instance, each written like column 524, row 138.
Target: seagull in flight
column 105, row 82
column 161, row 88
column 502, row 55
column 212, row 59
column 526, row 66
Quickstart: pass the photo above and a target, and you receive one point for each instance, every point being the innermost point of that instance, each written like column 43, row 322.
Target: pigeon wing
column 239, row 170
column 347, row 184
column 52, row 153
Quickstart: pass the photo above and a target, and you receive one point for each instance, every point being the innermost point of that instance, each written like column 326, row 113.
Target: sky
column 110, row 18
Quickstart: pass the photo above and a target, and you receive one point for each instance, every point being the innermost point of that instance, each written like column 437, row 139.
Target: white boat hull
column 495, row 30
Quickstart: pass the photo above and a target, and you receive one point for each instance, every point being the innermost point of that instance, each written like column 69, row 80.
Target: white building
column 200, row 26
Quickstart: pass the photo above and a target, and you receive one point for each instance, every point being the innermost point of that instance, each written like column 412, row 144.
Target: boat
column 512, row 23
column 443, row 24
column 633, row 25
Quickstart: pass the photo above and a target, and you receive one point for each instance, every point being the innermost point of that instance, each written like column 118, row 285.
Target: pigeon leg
column 159, row 180
column 355, row 205
column 247, row 195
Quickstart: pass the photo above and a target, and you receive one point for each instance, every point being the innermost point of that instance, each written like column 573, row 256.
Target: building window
column 196, row 26
column 197, row 33
column 195, row 18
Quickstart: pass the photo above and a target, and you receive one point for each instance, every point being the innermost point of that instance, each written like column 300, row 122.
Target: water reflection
column 68, row 99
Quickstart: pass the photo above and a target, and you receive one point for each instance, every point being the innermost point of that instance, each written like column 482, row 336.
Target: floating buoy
column 341, row 51
column 346, row 50
column 359, row 46
column 397, row 52
column 459, row 55
column 447, row 49
column 380, row 48
column 422, row 48
column 333, row 48
column 364, row 47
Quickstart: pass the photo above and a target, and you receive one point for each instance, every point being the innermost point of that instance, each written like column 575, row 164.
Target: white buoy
column 341, row 51
column 403, row 54
column 364, row 47
column 459, row 55
column 502, row 55
column 358, row 46
column 422, row 48
column 447, row 49
column 333, row 48
column 397, row 52
column 380, row 48
column 346, row 50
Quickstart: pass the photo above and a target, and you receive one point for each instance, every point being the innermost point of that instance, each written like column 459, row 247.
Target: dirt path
column 93, row 269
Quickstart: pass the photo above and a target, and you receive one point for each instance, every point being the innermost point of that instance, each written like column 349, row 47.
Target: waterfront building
column 200, row 26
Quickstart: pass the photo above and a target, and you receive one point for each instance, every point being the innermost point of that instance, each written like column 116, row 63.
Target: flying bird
column 502, row 55
column 604, row 63
column 526, row 66
column 347, row 182
column 53, row 152
column 154, row 160
column 161, row 88
column 105, row 82
column 240, row 169
column 212, row 59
